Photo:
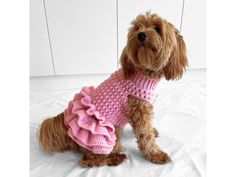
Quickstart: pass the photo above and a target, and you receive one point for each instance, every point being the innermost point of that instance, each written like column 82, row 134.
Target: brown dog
column 156, row 49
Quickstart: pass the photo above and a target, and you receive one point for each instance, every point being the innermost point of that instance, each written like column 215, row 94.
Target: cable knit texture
column 93, row 114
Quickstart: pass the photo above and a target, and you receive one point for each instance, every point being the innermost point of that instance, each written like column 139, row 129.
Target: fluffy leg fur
column 140, row 114
column 93, row 160
column 118, row 148
column 53, row 135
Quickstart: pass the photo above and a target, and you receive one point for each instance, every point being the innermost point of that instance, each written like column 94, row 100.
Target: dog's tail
column 53, row 137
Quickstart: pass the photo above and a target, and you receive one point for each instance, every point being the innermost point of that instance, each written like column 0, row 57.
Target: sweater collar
column 143, row 81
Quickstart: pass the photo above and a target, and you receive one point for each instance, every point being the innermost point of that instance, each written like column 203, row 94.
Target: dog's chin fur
column 163, row 54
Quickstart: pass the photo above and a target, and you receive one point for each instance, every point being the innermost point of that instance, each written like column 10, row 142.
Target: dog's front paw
column 159, row 158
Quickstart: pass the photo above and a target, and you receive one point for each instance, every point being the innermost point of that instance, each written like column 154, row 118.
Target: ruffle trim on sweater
column 86, row 126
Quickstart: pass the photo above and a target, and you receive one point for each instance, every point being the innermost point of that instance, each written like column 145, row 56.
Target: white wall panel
column 40, row 55
column 83, row 35
column 194, row 32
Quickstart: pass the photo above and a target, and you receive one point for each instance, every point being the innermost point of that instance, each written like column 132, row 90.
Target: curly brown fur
column 92, row 160
column 161, row 54
column 140, row 118
column 118, row 148
column 53, row 135
column 155, row 132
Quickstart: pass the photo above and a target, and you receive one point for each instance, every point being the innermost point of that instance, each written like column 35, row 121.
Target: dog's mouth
column 147, row 45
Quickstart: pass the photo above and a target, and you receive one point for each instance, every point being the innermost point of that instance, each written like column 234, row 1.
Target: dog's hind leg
column 115, row 158
column 93, row 160
column 53, row 135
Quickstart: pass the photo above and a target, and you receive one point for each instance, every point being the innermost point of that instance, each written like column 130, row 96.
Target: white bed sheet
column 180, row 118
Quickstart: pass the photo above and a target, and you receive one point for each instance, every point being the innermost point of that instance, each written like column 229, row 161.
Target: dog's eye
column 158, row 30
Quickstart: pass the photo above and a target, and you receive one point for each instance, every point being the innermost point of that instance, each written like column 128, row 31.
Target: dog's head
column 155, row 47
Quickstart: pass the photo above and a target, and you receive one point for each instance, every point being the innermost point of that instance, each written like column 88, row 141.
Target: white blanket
column 180, row 118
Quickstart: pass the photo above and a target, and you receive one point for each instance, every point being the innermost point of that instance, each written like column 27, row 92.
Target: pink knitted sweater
column 93, row 114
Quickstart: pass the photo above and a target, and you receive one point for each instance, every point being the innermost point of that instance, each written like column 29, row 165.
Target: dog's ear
column 126, row 65
column 177, row 61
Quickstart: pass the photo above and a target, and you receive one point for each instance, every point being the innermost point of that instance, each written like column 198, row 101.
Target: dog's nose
column 142, row 36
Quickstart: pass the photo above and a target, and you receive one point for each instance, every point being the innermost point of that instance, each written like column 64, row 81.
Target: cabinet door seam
column 49, row 39
column 182, row 16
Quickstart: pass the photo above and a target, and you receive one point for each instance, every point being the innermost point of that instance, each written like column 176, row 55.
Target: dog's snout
column 142, row 36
